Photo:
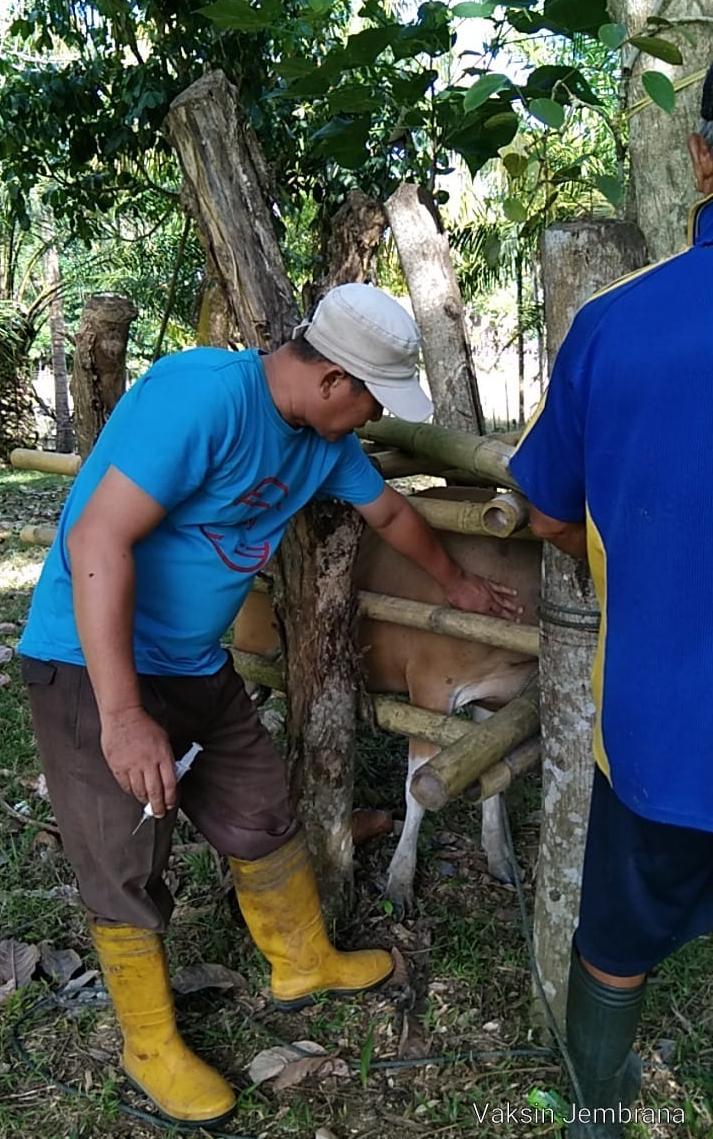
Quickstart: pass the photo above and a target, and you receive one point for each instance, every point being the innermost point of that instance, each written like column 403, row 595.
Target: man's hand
column 139, row 756
column 478, row 595
column 397, row 523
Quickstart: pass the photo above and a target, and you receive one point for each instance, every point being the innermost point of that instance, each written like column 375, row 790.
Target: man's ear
column 702, row 159
column 331, row 378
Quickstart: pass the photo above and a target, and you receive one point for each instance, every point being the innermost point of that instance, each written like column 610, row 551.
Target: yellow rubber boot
column 156, row 1059
column 280, row 903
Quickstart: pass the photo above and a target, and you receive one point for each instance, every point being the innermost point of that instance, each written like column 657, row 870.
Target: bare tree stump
column 227, row 175
column 64, row 441
column 438, row 308
column 661, row 183
column 356, row 230
column 578, row 259
column 99, row 374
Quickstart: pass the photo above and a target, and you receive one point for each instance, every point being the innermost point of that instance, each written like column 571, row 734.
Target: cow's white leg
column 492, row 830
column 399, row 885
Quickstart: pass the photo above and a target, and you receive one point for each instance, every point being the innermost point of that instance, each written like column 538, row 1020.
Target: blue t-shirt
column 623, row 442
column 200, row 434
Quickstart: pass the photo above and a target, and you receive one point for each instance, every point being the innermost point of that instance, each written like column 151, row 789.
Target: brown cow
column 437, row 672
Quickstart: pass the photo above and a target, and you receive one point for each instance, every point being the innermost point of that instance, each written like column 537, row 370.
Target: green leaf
column 344, row 140
column 515, row 164
column 240, row 15
column 482, row 89
column 660, row 49
column 547, row 111
column 412, row 88
column 557, row 82
column 613, row 35
column 320, row 7
column 514, row 210
column 660, row 90
column 611, row 188
column 294, row 68
column 354, row 99
column 365, row 47
column 474, row 11
column 577, row 15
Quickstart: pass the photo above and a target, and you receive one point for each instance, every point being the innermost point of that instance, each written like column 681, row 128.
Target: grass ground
column 463, row 945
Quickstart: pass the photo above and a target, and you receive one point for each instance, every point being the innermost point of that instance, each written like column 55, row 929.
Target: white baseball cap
column 373, row 338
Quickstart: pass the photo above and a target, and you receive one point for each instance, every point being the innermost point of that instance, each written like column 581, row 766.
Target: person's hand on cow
column 140, row 758
column 476, row 594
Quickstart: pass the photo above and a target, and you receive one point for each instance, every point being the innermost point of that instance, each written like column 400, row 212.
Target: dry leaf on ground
column 18, row 961
column 4, row 679
column 324, row 1133
column 400, row 975
column 272, row 1061
column 193, row 978
column 6, row 654
column 8, row 628
column 59, row 964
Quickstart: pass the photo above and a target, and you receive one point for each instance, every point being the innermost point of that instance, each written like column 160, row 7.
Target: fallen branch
column 27, row 819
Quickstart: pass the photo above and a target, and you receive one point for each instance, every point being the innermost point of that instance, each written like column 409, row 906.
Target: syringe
column 182, row 766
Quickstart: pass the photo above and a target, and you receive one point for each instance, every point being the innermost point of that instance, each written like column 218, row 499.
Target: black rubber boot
column 601, row 1027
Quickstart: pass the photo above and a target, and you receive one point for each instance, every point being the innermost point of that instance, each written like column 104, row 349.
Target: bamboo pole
column 499, row 517
column 38, row 535
column 395, row 464
column 391, row 715
column 53, row 463
column 483, row 455
column 454, row 768
column 453, row 622
column 499, row 777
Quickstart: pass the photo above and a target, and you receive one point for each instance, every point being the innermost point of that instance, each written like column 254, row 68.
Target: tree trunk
column 99, row 374
column 520, row 343
column 64, row 441
column 438, row 308
column 227, row 175
column 661, row 184
column 356, row 230
column 227, row 178
column 316, row 608
column 578, row 259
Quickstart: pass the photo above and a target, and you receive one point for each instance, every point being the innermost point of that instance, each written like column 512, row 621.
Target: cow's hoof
column 401, row 897
column 501, row 870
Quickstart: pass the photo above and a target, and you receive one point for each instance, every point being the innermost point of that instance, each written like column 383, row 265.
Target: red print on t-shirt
column 245, row 557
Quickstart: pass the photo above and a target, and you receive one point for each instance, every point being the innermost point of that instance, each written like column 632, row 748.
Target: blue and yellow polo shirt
column 624, row 440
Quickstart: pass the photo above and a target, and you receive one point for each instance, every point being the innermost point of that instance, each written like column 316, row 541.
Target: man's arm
column 117, row 516
column 571, row 537
column 397, row 523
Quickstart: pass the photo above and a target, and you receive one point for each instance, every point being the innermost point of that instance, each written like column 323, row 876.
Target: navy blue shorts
column 647, row 887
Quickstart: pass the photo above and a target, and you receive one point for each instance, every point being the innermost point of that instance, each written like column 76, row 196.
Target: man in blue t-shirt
column 618, row 467
column 184, row 498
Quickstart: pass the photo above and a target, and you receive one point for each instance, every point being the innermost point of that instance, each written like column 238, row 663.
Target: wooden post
column 99, row 374
column 229, row 186
column 661, row 187
column 438, row 307
column 38, row 535
column 230, row 194
column 578, row 259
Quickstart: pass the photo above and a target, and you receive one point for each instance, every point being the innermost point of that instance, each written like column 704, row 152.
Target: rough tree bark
column 355, row 233
column 661, row 186
column 578, row 258
column 225, row 171
column 316, row 607
column 99, row 374
column 58, row 334
column 438, row 308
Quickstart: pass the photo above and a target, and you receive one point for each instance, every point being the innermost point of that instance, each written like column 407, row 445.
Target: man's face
column 340, row 408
